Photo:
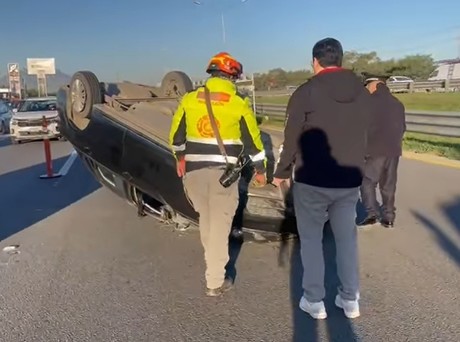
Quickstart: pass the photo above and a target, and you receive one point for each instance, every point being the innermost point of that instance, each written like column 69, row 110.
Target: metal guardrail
column 452, row 85
column 444, row 124
column 426, row 86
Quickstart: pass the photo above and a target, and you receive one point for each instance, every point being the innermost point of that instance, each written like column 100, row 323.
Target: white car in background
column 27, row 121
column 399, row 79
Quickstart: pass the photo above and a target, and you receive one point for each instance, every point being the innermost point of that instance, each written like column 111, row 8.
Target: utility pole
column 223, row 28
column 199, row 3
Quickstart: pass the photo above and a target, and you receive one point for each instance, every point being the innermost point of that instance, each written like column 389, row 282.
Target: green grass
column 415, row 142
column 431, row 144
column 444, row 102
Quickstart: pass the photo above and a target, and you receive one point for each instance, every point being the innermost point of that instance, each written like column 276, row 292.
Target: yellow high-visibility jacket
column 191, row 135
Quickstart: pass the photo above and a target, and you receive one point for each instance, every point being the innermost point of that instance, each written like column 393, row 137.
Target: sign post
column 41, row 67
column 14, row 79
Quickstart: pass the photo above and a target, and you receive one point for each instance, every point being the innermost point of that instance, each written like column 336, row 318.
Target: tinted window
column 37, row 106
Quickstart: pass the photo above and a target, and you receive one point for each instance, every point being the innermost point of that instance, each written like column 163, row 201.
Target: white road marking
column 68, row 164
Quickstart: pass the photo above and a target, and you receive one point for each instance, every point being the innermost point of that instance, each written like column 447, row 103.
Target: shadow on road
column 361, row 212
column 5, row 140
column 26, row 199
column 338, row 327
column 315, row 150
column 234, row 249
column 452, row 212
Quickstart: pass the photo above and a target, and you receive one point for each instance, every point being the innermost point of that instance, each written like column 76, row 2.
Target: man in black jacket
column 325, row 137
column 386, row 131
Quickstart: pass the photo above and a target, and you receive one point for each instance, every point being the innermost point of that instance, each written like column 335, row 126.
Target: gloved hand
column 260, row 179
column 180, row 166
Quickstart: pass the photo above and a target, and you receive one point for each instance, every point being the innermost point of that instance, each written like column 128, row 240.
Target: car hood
column 34, row 115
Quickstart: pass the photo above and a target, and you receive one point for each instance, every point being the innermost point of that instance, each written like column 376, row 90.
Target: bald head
column 372, row 86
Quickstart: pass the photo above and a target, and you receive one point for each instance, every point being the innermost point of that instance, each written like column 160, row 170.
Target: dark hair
column 328, row 52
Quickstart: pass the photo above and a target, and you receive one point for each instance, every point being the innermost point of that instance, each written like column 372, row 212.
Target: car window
column 37, row 106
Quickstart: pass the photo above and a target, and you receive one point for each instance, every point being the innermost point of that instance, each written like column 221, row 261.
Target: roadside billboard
column 14, row 79
column 41, row 66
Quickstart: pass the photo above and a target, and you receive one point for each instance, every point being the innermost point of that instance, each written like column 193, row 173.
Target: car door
column 103, row 141
column 151, row 167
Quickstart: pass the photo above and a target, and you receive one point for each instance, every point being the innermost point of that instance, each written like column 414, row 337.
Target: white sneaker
column 350, row 307
column 315, row 310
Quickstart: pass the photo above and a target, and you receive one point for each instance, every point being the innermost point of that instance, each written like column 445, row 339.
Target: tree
column 418, row 67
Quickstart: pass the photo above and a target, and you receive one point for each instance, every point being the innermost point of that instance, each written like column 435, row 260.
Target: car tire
column 3, row 129
column 175, row 84
column 85, row 91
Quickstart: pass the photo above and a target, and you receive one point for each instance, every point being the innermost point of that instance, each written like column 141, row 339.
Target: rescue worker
column 201, row 164
column 385, row 135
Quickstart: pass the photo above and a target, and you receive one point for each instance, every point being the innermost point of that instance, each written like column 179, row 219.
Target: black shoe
column 226, row 286
column 368, row 221
column 387, row 223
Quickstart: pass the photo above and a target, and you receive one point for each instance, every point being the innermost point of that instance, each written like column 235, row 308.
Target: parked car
column 5, row 116
column 120, row 130
column 27, row 121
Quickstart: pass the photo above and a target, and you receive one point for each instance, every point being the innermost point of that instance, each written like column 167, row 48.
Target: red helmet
column 225, row 63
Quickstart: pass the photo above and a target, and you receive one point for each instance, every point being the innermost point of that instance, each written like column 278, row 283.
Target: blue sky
column 140, row 40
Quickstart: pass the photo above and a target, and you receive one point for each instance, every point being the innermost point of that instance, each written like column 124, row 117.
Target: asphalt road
column 89, row 270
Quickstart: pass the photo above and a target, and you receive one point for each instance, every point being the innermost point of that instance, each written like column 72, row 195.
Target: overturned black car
column 120, row 130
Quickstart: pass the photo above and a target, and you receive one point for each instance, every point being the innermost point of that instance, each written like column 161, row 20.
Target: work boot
column 369, row 221
column 387, row 223
column 226, row 286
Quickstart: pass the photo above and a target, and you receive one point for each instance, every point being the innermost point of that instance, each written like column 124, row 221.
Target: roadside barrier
column 437, row 123
column 47, row 146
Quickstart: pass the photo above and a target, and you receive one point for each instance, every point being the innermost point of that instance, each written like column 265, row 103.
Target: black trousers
column 382, row 171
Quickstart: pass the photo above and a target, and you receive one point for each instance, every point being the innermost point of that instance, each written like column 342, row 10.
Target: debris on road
column 7, row 253
column 11, row 248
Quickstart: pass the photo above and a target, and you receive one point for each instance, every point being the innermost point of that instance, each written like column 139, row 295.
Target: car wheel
column 15, row 141
column 176, row 84
column 85, row 91
column 3, row 129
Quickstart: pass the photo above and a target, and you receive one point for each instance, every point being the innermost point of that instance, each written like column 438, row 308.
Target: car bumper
column 34, row 132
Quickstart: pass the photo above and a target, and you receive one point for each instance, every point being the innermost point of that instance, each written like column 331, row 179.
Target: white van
column 446, row 72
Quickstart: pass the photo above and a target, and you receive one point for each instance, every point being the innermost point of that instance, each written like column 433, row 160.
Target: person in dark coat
column 384, row 149
column 323, row 151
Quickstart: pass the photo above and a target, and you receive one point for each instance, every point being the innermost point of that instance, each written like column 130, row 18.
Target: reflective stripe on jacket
column 191, row 134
